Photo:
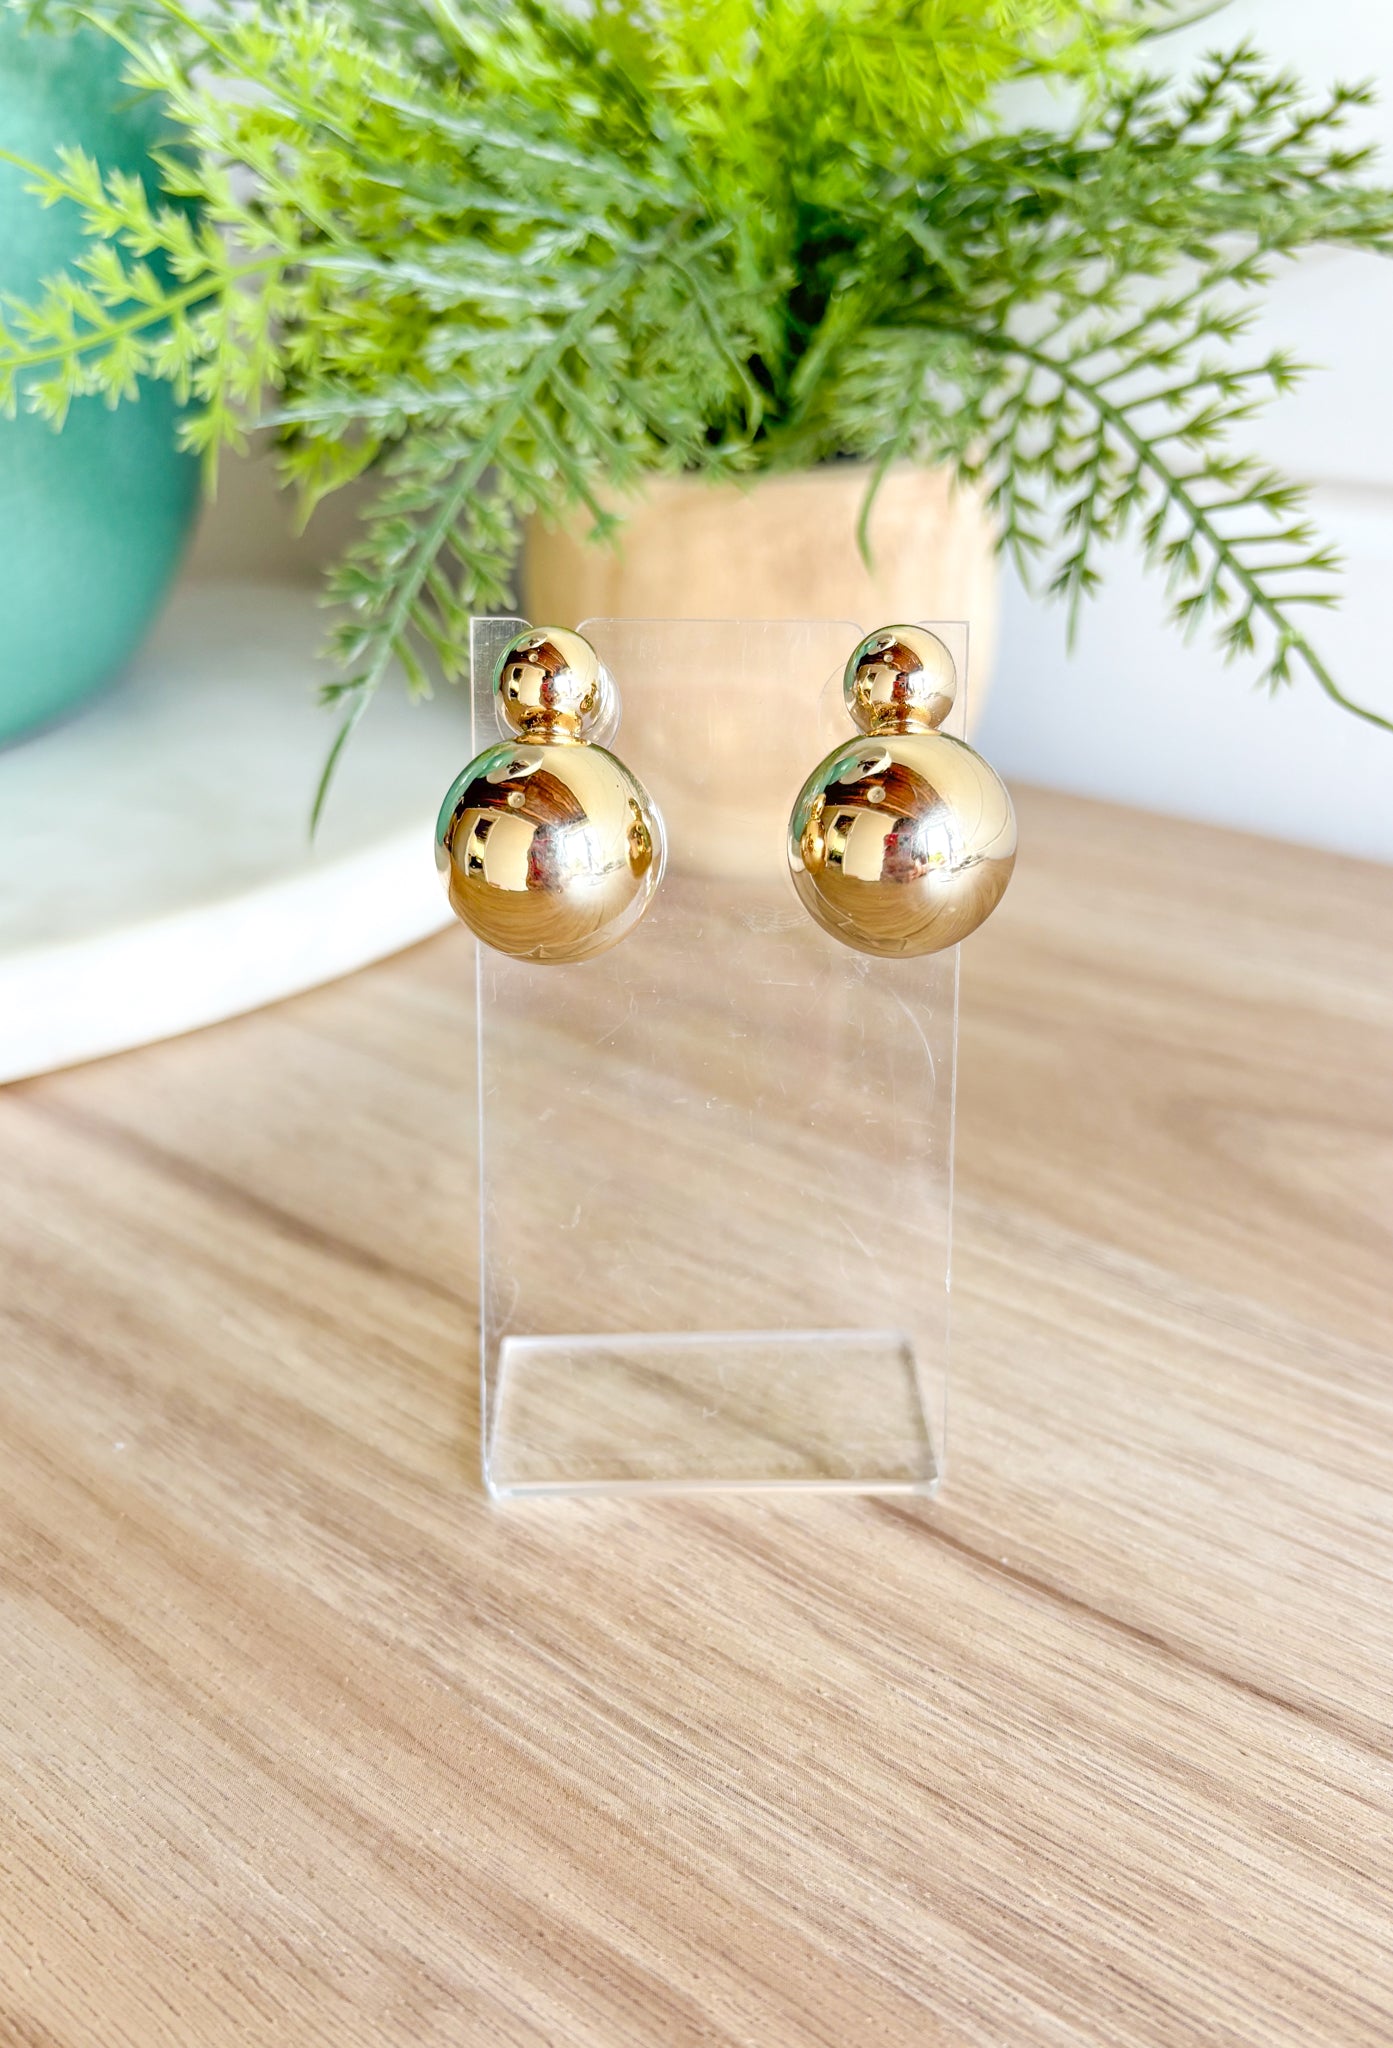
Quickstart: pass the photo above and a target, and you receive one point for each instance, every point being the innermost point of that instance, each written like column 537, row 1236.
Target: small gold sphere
column 902, row 843
column 550, row 684
column 549, row 853
column 900, row 679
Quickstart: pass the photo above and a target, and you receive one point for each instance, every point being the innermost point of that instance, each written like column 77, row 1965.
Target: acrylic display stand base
column 716, row 1162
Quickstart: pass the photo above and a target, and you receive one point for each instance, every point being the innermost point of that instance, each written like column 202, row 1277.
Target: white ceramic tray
column 156, row 871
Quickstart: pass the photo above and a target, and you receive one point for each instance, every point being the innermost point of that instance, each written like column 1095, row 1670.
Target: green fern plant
column 510, row 259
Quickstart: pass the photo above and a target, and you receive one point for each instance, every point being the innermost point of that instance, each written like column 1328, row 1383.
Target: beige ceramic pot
column 724, row 764
column 780, row 547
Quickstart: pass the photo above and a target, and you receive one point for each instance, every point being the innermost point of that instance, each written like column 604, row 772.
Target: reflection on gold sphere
column 549, row 683
column 900, row 679
column 902, row 843
column 549, row 853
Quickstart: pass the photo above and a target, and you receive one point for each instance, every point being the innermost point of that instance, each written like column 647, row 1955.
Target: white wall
column 1135, row 713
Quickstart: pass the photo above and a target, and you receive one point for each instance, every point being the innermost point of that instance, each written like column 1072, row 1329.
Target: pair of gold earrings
column 901, row 842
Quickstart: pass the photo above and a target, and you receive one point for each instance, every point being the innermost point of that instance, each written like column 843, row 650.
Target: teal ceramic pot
column 92, row 519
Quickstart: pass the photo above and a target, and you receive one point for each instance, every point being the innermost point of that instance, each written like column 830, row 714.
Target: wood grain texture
column 301, row 1741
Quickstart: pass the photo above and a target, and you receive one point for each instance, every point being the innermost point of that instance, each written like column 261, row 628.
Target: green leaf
column 504, row 262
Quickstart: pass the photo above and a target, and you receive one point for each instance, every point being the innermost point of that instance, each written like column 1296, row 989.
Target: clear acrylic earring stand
column 716, row 1162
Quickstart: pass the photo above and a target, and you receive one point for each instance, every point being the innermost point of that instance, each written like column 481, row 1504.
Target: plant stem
column 1181, row 496
column 101, row 337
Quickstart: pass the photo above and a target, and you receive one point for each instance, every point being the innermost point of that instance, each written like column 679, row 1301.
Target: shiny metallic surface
column 549, row 852
column 900, row 679
column 902, row 843
column 550, row 684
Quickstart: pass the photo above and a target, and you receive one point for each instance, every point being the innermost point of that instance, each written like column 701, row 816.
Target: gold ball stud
column 550, row 684
column 903, row 840
column 900, row 679
column 549, row 848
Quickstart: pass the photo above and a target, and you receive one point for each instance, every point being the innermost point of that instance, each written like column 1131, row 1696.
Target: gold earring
column 903, row 840
column 550, row 850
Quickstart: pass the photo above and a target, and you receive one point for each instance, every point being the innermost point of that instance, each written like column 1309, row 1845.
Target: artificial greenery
column 514, row 257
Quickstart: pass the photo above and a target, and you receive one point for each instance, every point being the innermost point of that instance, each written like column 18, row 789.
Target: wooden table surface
column 302, row 1742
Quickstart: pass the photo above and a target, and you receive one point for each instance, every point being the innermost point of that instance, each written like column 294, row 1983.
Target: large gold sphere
column 902, row 842
column 549, row 853
column 549, row 683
